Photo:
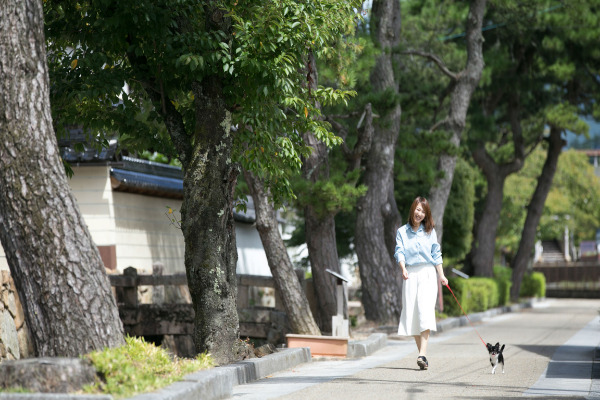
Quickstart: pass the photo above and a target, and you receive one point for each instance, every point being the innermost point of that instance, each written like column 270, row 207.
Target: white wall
column 137, row 225
column 252, row 259
column 144, row 233
column 91, row 188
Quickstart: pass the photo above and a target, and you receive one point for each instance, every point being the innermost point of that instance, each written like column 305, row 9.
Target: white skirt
column 419, row 294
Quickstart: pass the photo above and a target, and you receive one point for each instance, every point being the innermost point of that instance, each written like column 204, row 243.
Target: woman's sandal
column 422, row 362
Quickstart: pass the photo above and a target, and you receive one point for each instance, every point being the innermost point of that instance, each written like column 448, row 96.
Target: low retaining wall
column 14, row 334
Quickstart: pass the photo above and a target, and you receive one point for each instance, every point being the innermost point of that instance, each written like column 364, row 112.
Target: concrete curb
column 217, row 383
column 53, row 396
column 363, row 348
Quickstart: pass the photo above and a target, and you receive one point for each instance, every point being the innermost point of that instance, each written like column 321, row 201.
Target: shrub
column 533, row 285
column 474, row 294
column 503, row 278
column 139, row 367
column 457, row 285
column 502, row 272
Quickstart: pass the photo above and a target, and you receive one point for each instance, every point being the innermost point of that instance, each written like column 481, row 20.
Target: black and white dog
column 496, row 356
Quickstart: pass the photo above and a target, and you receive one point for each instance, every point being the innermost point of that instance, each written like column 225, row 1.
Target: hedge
column 474, row 294
column 479, row 294
column 533, row 285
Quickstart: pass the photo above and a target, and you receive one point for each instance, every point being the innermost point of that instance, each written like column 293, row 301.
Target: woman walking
column 419, row 255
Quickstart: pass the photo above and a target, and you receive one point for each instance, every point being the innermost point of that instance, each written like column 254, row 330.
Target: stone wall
column 14, row 334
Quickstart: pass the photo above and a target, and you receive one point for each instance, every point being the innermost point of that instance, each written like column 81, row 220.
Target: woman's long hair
column 428, row 220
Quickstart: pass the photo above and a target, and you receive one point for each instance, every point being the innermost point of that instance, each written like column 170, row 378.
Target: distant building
column 594, row 156
column 125, row 203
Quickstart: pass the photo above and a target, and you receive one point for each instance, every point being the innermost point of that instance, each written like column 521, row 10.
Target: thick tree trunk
column 480, row 260
column 466, row 82
column 208, row 226
column 377, row 212
column 535, row 210
column 287, row 284
column 208, row 197
column 58, row 272
column 320, row 229
column 481, row 257
column 322, row 252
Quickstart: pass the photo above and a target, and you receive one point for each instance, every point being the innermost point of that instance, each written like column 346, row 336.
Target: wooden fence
column 579, row 280
column 161, row 319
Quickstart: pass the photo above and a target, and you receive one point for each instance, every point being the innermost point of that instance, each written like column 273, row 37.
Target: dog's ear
column 502, row 349
column 497, row 344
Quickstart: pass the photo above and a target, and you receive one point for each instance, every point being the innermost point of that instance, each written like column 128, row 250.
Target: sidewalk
column 219, row 383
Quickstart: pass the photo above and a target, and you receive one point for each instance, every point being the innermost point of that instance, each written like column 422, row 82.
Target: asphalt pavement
column 551, row 353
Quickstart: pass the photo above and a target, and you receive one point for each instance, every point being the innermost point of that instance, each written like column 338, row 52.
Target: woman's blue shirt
column 417, row 247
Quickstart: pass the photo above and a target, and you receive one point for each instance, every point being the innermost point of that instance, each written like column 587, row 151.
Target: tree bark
column 57, row 270
column 464, row 86
column 535, row 210
column 377, row 212
column 208, row 225
column 481, row 258
column 287, row 284
column 209, row 180
column 320, row 229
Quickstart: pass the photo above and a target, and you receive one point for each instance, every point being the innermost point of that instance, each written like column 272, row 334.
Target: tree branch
column 452, row 75
column 162, row 103
column 365, row 136
column 438, row 124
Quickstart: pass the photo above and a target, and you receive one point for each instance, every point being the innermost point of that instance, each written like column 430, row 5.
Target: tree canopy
column 573, row 201
column 98, row 50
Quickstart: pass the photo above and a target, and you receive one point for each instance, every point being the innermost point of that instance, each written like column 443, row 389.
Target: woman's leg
column 422, row 342
column 418, row 342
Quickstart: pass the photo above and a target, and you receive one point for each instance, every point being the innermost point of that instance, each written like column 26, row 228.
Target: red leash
column 482, row 341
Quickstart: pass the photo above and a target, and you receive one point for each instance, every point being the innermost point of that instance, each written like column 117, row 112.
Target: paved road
column 549, row 354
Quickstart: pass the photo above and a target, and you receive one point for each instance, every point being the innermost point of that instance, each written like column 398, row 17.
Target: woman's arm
column 442, row 278
column 399, row 255
column 404, row 271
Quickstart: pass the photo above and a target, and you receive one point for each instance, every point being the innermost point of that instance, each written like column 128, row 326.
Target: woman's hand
column 443, row 280
column 440, row 272
column 404, row 272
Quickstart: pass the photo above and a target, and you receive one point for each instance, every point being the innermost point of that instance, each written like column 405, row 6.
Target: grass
column 139, row 367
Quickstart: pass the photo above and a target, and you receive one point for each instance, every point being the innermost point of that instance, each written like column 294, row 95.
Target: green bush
column 501, row 272
column 139, row 366
column 533, row 285
column 503, row 278
column 474, row 294
column 457, row 285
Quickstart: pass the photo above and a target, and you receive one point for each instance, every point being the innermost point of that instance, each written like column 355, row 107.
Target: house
column 126, row 201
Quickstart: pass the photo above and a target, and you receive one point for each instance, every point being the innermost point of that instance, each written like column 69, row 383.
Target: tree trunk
column 294, row 299
column 209, row 180
column 377, row 212
column 535, row 210
column 484, row 242
column 480, row 260
column 466, row 82
column 320, row 229
column 208, row 225
column 57, row 270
